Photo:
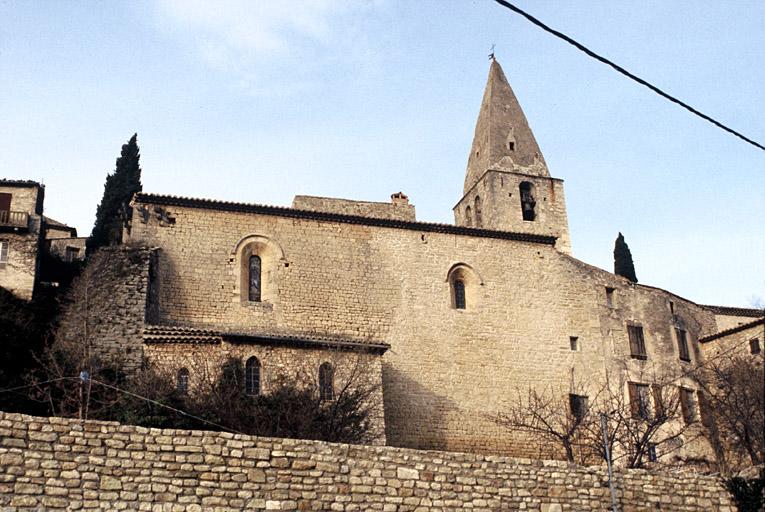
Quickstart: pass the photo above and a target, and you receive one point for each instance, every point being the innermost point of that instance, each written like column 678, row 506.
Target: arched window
column 326, row 382
column 254, row 278
column 252, row 376
column 183, row 381
column 464, row 285
column 459, row 294
column 468, row 217
column 528, row 203
column 478, row 219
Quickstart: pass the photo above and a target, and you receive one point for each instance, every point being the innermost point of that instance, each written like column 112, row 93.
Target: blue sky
column 260, row 101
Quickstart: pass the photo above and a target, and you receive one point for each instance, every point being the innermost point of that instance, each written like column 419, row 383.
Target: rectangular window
column 574, row 341
column 652, row 452
column 70, row 254
column 609, row 297
column 688, row 405
column 703, row 409
column 658, row 399
column 639, row 403
column 578, row 405
column 4, row 244
column 682, row 344
column 637, row 343
column 754, row 346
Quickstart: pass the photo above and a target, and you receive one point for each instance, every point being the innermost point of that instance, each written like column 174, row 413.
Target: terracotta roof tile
column 734, row 311
column 732, row 330
column 178, row 334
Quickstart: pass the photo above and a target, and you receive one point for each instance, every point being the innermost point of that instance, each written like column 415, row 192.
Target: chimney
column 399, row 198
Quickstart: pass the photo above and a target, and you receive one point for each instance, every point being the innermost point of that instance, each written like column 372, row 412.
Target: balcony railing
column 14, row 219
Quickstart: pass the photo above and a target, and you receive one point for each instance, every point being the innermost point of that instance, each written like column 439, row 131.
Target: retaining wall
column 57, row 463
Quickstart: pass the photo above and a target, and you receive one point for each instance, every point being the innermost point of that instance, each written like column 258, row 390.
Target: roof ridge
column 222, row 205
column 732, row 330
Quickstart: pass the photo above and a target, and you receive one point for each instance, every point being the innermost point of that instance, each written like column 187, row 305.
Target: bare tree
column 553, row 417
column 642, row 423
column 734, row 396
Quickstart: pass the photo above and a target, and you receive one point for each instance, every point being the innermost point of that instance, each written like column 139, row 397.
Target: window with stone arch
column 528, row 203
column 254, row 278
column 478, row 212
column 464, row 283
column 468, row 216
column 252, row 376
column 326, row 382
column 182, row 382
column 257, row 261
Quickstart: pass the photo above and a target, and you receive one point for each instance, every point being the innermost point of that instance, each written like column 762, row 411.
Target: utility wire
column 626, row 73
column 17, row 388
column 160, row 404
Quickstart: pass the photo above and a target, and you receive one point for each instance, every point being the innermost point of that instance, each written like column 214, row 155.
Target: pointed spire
column 503, row 139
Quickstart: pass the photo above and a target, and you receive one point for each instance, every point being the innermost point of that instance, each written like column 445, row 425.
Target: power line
column 626, row 73
column 18, row 388
column 160, row 404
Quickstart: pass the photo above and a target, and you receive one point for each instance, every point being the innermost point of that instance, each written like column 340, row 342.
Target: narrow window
column 682, row 344
column 326, row 382
column 574, row 341
column 658, row 399
column 652, row 452
column 254, row 278
column 688, row 405
column 252, row 376
column 5, row 207
column 672, row 307
column 754, row 345
column 70, row 254
column 578, row 406
column 459, row 294
column 527, row 201
column 609, row 297
column 637, row 343
column 183, row 381
column 511, row 146
column 468, row 216
column 478, row 218
column 639, row 404
column 4, row 244
column 704, row 412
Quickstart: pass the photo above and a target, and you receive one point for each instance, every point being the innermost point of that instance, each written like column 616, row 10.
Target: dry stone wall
column 56, row 464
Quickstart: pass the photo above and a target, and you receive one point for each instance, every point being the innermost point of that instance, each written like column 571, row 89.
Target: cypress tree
column 623, row 265
column 114, row 211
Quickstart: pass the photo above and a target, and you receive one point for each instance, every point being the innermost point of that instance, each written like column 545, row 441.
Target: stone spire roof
column 503, row 139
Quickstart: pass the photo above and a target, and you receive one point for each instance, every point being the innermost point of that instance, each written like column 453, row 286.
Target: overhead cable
column 626, row 73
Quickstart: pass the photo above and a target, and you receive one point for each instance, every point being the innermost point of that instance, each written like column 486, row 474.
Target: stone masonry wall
column 400, row 210
column 19, row 274
column 448, row 370
column 56, row 463
column 107, row 305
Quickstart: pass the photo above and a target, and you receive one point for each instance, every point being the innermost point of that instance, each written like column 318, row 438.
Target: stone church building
column 452, row 320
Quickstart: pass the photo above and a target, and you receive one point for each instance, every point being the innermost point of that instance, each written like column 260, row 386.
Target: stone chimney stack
column 399, row 198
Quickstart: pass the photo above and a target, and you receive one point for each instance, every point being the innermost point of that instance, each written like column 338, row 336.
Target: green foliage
column 114, row 210
column 623, row 265
column 747, row 493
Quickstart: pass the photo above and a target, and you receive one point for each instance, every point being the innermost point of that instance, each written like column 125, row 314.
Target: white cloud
column 241, row 36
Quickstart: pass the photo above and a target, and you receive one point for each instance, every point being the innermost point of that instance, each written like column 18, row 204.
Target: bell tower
column 507, row 184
